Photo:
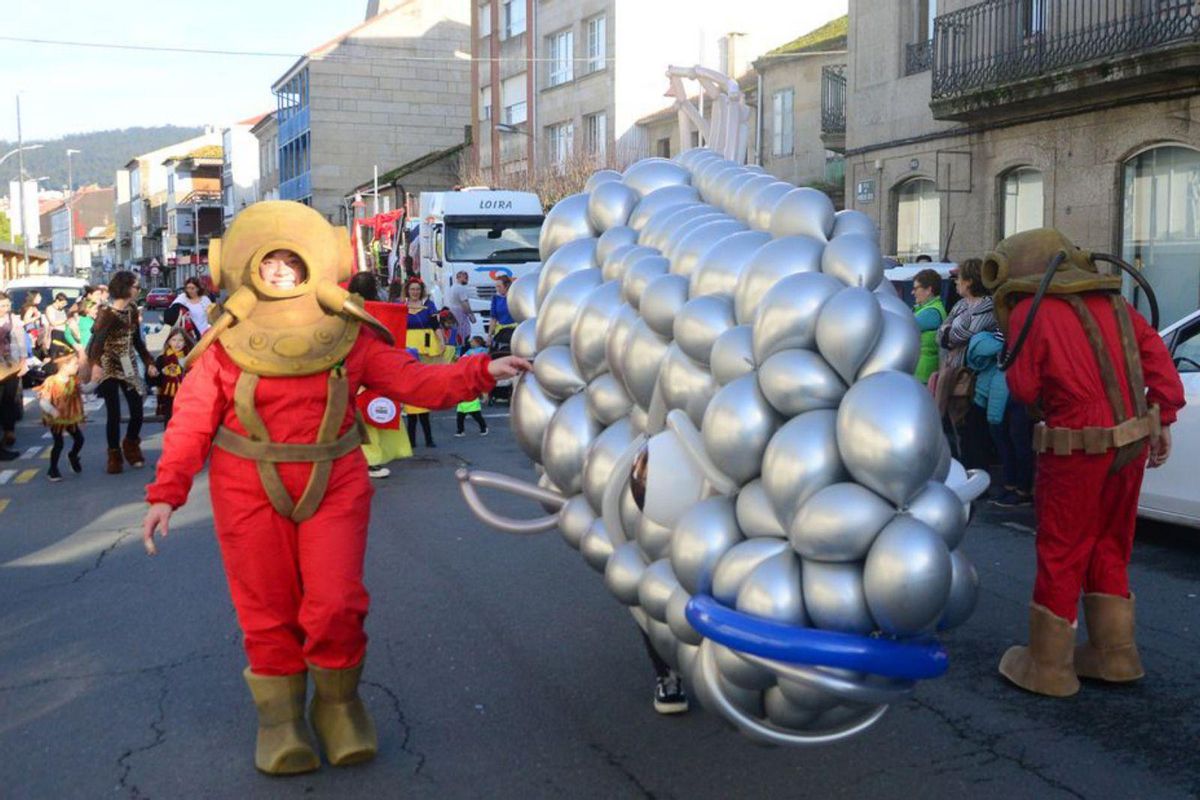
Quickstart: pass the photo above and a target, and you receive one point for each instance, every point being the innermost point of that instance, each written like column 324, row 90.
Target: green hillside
column 103, row 153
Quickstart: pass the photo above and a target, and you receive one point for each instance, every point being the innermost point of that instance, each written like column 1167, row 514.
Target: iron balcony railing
column 918, row 57
column 1003, row 41
column 833, row 98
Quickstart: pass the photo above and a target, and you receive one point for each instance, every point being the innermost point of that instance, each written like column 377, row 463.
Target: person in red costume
column 1087, row 484
column 293, row 554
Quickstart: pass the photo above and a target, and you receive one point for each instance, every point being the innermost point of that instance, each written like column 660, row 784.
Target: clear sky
column 77, row 89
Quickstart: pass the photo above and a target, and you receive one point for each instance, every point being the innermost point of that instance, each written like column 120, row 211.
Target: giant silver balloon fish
column 724, row 418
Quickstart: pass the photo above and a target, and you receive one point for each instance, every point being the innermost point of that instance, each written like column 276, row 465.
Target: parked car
column 1169, row 493
column 901, row 276
column 160, row 298
column 47, row 286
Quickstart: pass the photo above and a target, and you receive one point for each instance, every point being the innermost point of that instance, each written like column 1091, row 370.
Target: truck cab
column 483, row 232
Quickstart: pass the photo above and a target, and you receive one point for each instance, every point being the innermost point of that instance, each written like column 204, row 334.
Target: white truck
column 483, row 232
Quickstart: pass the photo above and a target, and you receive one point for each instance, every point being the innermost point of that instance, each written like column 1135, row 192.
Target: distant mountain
column 102, row 154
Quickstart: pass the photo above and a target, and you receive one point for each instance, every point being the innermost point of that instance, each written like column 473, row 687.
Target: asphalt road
column 501, row 667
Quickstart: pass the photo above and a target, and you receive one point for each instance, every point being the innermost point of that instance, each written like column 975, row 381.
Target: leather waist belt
column 1095, row 441
column 276, row 452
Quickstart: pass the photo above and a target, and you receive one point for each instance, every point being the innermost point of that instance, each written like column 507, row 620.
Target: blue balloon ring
column 915, row 659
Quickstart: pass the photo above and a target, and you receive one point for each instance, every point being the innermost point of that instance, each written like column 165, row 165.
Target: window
column 512, row 14
column 485, row 102
column 595, row 129
column 918, row 219
column 485, row 20
column 1161, row 230
column 561, row 139
column 596, row 43
column 561, row 48
column 695, row 139
column 781, row 122
column 1022, row 201
column 663, row 148
column 1033, row 16
column 926, row 14
column 512, row 94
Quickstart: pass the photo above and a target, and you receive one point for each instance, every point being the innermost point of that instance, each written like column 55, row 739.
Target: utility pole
column 70, row 212
column 21, row 194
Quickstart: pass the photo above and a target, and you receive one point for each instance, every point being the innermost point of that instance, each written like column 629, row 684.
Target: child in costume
column 170, row 371
column 62, row 412
column 270, row 398
column 472, row 407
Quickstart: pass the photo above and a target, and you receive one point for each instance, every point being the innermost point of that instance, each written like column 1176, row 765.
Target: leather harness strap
column 259, row 448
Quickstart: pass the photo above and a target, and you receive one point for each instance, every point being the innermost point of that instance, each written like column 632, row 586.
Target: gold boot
column 1046, row 665
column 1110, row 653
column 284, row 745
column 343, row 725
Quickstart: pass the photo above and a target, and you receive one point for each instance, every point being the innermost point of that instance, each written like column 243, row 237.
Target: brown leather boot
column 1046, row 665
column 115, row 462
column 283, row 745
column 343, row 726
column 133, row 452
column 1110, row 653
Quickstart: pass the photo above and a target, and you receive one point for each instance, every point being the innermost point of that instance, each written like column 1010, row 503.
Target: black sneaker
column 669, row 696
column 76, row 464
column 8, row 455
column 1011, row 500
column 53, row 475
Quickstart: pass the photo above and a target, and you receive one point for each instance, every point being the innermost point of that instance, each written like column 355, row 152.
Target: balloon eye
column 637, row 477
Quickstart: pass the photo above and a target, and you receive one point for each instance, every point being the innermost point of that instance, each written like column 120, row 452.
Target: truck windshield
column 496, row 242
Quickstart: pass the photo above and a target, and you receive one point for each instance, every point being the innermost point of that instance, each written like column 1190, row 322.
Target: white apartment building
column 239, row 170
column 555, row 78
column 266, row 134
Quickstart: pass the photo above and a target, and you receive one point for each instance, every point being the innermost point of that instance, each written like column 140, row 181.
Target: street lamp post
column 71, row 210
column 21, row 193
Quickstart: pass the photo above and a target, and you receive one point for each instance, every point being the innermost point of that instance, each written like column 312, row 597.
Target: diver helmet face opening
column 280, row 270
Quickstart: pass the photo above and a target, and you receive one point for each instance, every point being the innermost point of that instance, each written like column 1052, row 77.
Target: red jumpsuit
column 1085, row 514
column 297, row 587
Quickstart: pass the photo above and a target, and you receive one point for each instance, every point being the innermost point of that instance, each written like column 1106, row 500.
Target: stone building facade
column 989, row 118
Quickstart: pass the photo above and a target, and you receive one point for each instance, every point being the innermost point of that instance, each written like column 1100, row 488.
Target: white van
column 47, row 286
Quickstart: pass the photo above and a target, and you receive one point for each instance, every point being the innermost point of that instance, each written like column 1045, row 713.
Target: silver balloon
column 787, row 316
column 854, row 259
column 574, row 519
column 847, row 330
column 561, row 307
column 596, row 547
column 687, row 253
column 719, row 267
column 772, row 590
column 898, row 348
column 644, row 353
column 851, row 221
column 614, row 265
column 907, row 577
column 677, row 618
column 889, row 434
column 566, row 222
column 721, row 183
column 806, row 696
column 660, row 199
column 650, row 174
column 700, row 322
column 628, row 511
column 664, row 222
column 702, row 535
column 624, row 571
column 601, row 457
column 531, row 411
column 524, row 339
column 803, row 212
column 522, row 296
column 655, row 589
column 614, row 347
column 544, row 482
column 891, row 302
column 572, row 257
column 736, row 428
column 746, row 193
column 703, row 174
column 940, row 508
column 732, row 354
column 964, row 591
column 740, row 672
column 755, row 515
column 600, row 176
column 800, row 460
column 639, row 274
column 654, row 539
column 607, row 399
column 682, row 227
column 942, row 471
column 763, row 203
column 565, row 443
column 610, row 205
column 796, row 381
column 769, row 264
column 685, row 385
column 738, row 562
column 784, row 712
column 556, row 372
column 839, row 523
column 833, row 594
column 731, row 190
column 661, row 301
column 640, row 419
column 610, row 240
column 589, row 331
column 693, row 156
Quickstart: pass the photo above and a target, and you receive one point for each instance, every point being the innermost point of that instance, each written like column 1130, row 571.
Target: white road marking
column 7, row 475
column 32, row 452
